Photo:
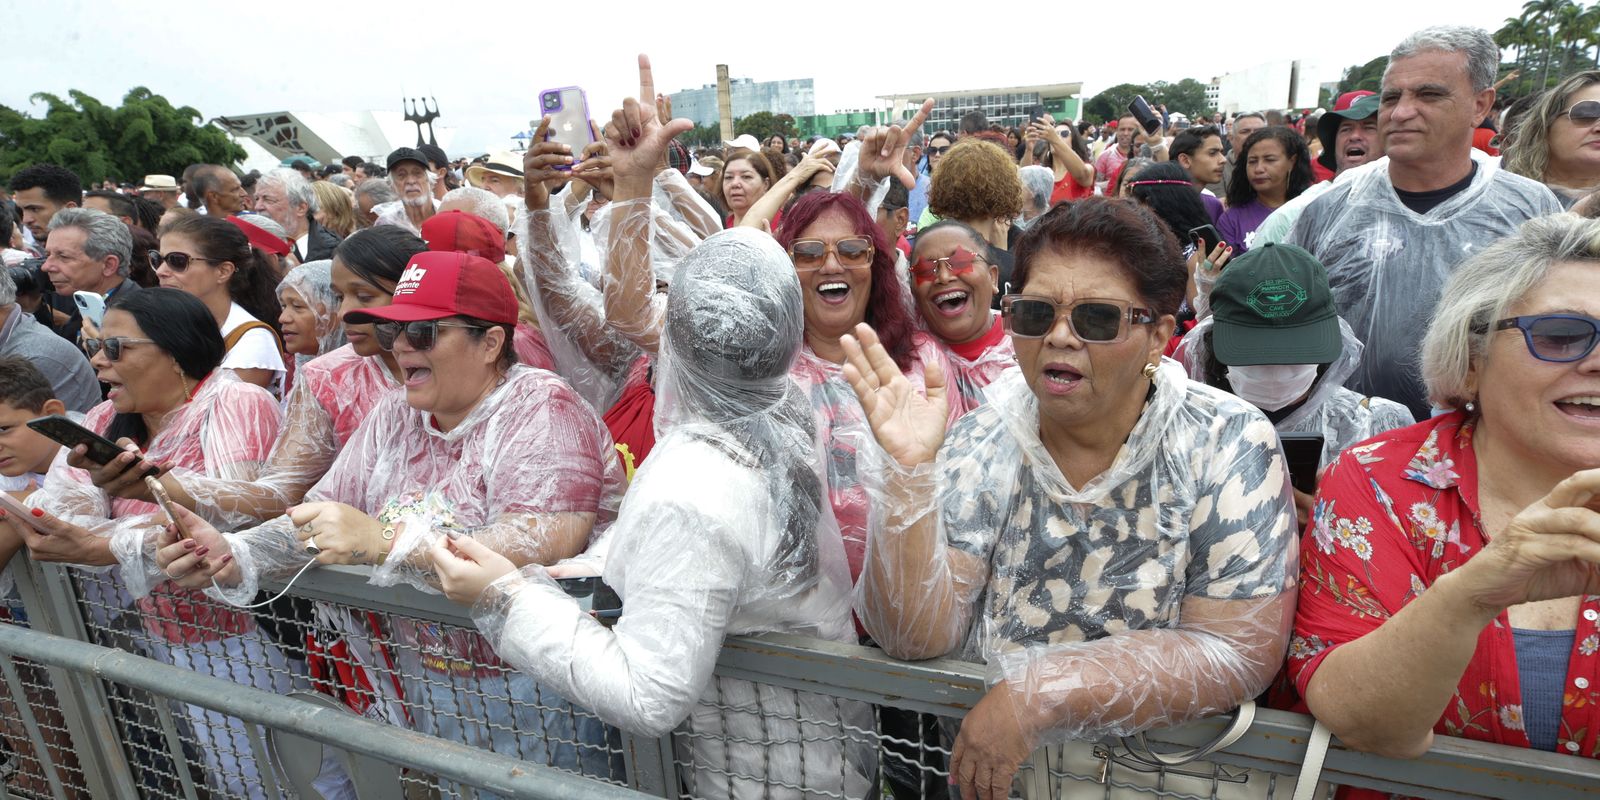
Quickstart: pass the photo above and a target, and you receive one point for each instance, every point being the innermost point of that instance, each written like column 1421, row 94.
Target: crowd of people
column 1151, row 420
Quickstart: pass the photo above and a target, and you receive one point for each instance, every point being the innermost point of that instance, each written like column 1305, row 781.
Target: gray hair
column 1486, row 287
column 8, row 288
column 295, row 187
column 1483, row 55
column 341, row 180
column 379, row 189
column 483, row 203
column 103, row 234
column 1038, row 182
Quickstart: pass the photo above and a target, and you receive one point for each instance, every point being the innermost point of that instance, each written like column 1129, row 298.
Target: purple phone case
column 568, row 110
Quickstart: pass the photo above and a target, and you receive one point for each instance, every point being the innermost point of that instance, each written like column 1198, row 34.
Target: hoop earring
column 1149, row 371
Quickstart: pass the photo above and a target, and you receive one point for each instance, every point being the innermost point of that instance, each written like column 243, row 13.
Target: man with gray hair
column 63, row 365
column 286, row 197
column 88, row 251
column 1037, row 182
column 478, row 202
column 1391, row 235
column 370, row 194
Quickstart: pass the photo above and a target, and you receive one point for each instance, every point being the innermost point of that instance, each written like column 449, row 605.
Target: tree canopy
column 1187, row 97
column 144, row 135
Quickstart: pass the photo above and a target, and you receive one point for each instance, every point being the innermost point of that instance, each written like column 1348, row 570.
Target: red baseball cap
column 461, row 232
column 259, row 237
column 437, row 285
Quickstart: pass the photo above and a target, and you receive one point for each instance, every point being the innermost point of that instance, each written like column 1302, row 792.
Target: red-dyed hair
column 887, row 311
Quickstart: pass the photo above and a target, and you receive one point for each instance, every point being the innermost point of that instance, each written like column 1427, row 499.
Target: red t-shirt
column 1069, row 189
column 1393, row 515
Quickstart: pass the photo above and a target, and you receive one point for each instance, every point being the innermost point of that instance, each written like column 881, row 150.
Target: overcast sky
column 486, row 62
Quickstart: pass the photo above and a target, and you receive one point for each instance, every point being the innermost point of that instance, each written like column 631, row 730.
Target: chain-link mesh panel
column 37, row 757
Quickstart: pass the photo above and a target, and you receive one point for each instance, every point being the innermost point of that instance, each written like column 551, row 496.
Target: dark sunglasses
column 938, row 151
column 422, row 336
column 178, row 261
column 960, row 262
column 1583, row 113
column 1560, row 338
column 1096, row 321
column 810, row 254
column 113, row 346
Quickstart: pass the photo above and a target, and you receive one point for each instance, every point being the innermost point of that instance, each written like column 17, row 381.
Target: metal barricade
column 787, row 717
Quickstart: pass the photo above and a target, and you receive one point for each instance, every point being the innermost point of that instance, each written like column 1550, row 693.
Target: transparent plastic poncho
column 1342, row 416
column 725, row 531
column 313, row 282
column 224, row 432
column 331, row 396
column 529, row 453
column 1387, row 264
column 1160, row 592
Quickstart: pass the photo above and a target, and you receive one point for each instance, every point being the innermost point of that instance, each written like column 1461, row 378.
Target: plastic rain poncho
column 1342, row 417
column 224, row 432
column 528, row 453
column 1387, row 264
column 968, row 378
column 1160, row 592
column 331, row 396
column 313, row 282
column 725, row 531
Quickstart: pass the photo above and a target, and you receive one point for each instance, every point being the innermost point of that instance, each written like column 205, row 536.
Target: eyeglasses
column 113, row 346
column 938, row 151
column 1560, row 338
column 810, row 254
column 1090, row 320
column 178, row 261
column 960, row 262
column 422, row 336
column 1583, row 113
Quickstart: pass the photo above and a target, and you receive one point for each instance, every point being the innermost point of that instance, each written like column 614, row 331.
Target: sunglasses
column 1559, row 338
column 113, row 346
column 810, row 254
column 1092, row 320
column 1583, row 113
column 938, row 151
column 960, row 262
column 422, row 336
column 178, row 261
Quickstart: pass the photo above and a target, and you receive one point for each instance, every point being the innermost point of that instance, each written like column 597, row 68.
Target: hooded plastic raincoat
column 1387, row 264
column 1159, row 592
column 1342, row 417
column 313, row 282
column 725, row 531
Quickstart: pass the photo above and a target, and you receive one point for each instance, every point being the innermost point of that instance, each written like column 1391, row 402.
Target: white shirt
column 257, row 349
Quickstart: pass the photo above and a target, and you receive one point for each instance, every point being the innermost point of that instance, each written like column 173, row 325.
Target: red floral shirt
column 1393, row 515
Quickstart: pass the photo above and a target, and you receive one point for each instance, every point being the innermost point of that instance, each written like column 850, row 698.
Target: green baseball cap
column 1272, row 305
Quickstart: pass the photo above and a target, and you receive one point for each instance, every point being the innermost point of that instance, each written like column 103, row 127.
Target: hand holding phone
column 16, row 510
column 159, row 492
column 568, row 110
column 1145, row 115
column 92, row 305
column 70, row 434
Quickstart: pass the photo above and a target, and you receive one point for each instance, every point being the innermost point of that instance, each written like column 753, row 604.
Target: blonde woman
column 1555, row 142
column 336, row 208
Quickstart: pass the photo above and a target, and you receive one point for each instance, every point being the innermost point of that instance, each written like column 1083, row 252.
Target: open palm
column 908, row 425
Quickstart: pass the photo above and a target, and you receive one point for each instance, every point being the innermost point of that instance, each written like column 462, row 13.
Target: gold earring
column 1149, row 371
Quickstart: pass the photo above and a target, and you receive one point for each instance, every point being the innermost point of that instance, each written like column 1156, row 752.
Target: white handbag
column 1130, row 770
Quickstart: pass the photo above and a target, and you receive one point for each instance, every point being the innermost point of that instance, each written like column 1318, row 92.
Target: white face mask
column 1272, row 386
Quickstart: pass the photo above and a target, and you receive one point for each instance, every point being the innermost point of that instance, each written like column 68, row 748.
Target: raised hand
column 1549, row 550
column 636, row 137
column 908, row 425
column 883, row 149
column 541, row 168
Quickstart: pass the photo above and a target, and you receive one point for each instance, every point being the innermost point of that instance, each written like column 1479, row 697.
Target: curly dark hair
column 888, row 312
column 976, row 180
column 1241, row 192
column 1115, row 229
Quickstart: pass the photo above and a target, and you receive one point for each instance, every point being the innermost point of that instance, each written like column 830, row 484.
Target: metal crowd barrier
column 99, row 702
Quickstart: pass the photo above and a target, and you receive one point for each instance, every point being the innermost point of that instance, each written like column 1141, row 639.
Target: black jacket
column 320, row 243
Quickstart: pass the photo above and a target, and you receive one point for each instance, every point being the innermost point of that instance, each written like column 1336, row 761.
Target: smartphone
column 568, row 110
column 594, row 596
column 70, row 434
column 91, row 305
column 1035, row 112
column 1303, row 452
column 159, row 492
column 1146, row 116
column 1209, row 234
column 15, row 509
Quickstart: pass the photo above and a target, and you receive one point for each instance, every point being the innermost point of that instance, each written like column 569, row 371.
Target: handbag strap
column 1242, row 720
column 1305, row 786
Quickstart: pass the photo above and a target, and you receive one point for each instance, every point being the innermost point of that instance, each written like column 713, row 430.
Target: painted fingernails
column 38, row 512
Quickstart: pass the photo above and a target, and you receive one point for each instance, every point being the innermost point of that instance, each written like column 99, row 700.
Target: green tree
column 1366, row 77
column 785, row 124
column 760, row 125
column 1187, row 97
column 1113, row 102
column 146, row 134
